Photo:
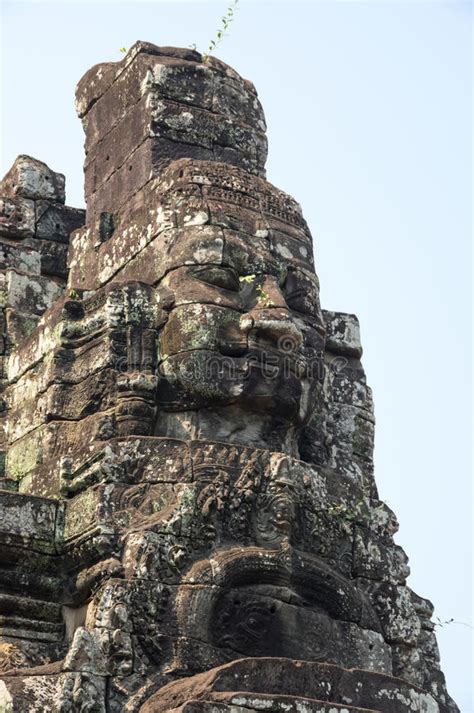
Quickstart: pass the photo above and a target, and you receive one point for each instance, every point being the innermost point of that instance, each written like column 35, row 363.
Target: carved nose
column 269, row 322
column 273, row 327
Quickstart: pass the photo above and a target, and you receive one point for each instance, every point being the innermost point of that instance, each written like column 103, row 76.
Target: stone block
column 17, row 217
column 28, row 294
column 343, row 334
column 400, row 621
column 30, row 178
column 18, row 328
column 55, row 221
column 27, row 520
column 20, row 258
column 379, row 559
column 53, row 257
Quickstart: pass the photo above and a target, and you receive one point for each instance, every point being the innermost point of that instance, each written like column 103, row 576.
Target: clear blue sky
column 369, row 113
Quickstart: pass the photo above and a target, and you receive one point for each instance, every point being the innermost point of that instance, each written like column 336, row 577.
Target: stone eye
column 223, row 277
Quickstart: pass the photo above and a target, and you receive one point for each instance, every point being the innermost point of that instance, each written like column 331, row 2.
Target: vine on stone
column 220, row 32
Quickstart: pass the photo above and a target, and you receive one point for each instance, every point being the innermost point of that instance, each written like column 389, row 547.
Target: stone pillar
column 157, row 105
column 35, row 226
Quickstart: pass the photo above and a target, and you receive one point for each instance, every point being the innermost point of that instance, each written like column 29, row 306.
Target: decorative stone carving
column 188, row 514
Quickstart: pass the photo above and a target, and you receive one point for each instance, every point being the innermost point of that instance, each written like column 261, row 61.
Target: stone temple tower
column 189, row 520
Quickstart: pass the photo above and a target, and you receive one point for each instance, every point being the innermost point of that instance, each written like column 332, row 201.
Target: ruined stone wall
column 35, row 226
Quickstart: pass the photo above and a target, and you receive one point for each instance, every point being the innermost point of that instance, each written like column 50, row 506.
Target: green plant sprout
column 225, row 23
column 264, row 297
column 220, row 32
column 441, row 623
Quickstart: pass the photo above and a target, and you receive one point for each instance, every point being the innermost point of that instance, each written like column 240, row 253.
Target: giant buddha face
column 244, row 333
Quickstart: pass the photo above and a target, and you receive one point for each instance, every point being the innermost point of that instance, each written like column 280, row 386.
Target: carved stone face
column 244, row 329
column 269, row 620
column 259, row 602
